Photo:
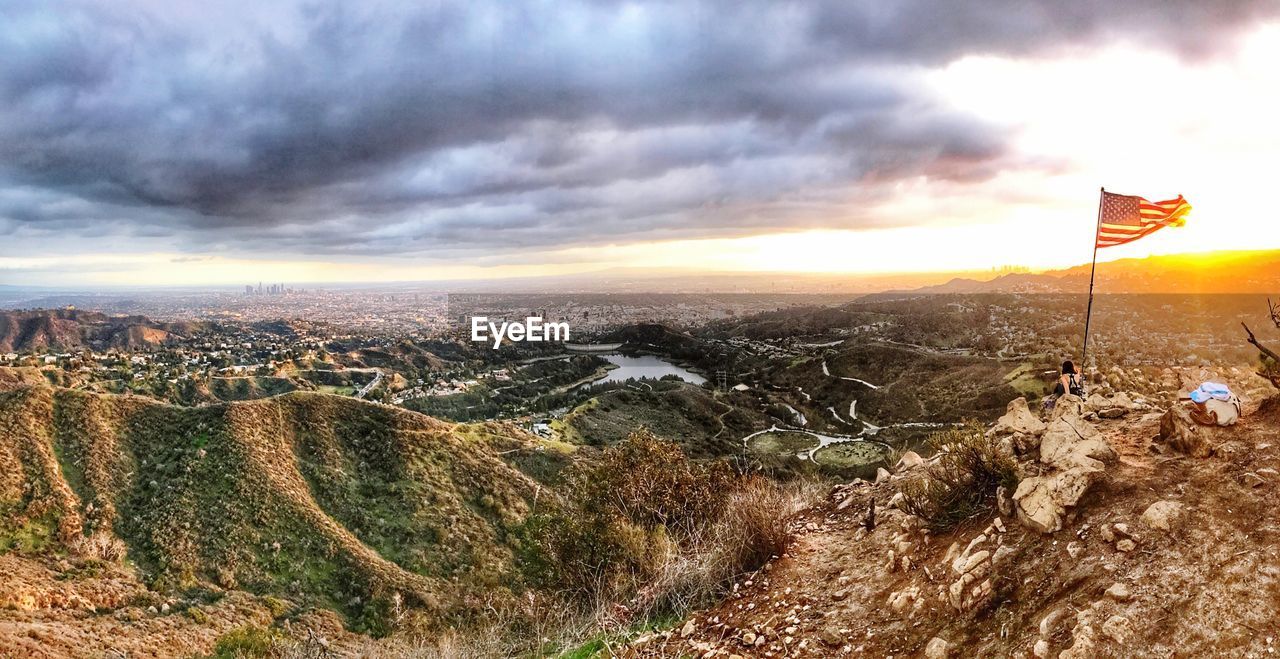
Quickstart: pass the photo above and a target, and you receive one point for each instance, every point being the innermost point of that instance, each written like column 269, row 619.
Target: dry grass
column 961, row 484
column 684, row 573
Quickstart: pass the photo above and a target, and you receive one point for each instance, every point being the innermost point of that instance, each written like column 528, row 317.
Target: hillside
column 1166, row 548
column 69, row 329
column 238, row 512
column 1214, row 272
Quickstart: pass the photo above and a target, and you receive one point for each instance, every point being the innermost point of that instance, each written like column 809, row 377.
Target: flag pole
column 1088, row 314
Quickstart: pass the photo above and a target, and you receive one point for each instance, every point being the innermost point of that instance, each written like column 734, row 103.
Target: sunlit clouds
column 140, row 144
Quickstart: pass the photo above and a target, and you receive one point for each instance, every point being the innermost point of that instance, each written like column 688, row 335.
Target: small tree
column 1270, row 360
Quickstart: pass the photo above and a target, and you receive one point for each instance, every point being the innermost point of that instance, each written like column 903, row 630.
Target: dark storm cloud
column 367, row 129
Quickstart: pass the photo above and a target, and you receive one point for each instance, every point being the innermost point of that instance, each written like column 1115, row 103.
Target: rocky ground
column 1119, row 542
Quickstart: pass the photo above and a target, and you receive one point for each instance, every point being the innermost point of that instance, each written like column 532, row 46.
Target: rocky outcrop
column 1071, row 442
column 975, row 568
column 1018, row 431
column 1075, row 454
column 1181, row 433
column 1018, row 420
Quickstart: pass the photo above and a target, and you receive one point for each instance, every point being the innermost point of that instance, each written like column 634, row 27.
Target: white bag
column 1225, row 412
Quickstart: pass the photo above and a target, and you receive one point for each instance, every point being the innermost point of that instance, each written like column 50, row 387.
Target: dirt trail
column 1210, row 586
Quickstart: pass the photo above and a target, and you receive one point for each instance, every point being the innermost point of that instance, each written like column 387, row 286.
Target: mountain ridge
column 322, row 500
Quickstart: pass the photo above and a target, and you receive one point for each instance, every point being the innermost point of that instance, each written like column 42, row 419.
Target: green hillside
column 320, row 499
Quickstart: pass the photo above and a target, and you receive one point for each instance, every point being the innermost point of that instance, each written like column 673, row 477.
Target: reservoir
column 645, row 366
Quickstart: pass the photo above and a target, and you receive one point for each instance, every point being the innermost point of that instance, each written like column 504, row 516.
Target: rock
column 1018, row 420
column 1118, row 629
column 748, row 638
column 952, row 552
column 1106, row 533
column 1041, row 649
column 1004, row 503
column 909, row 460
column 1113, row 412
column 1180, row 433
column 688, row 629
column 1041, row 502
column 1126, row 545
column 883, row 475
column 1049, row 623
column 830, row 637
column 1096, row 402
column 1071, row 442
column 937, row 648
column 1163, row 515
column 1082, row 647
column 897, row 500
column 1252, row 479
column 1122, row 529
column 972, row 588
column 1119, row 592
column 1074, row 549
column 1068, row 405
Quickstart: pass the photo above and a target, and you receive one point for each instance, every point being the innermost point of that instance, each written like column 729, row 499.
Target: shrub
column 250, row 643
column 961, row 484
column 645, row 531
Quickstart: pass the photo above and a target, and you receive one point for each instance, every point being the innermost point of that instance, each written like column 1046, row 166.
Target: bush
column 646, row 527
column 250, row 642
column 961, row 484
column 620, row 514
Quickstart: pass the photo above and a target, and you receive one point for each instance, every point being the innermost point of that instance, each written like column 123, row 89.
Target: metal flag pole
column 1088, row 314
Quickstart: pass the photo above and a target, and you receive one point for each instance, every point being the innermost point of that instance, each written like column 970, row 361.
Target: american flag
column 1125, row 218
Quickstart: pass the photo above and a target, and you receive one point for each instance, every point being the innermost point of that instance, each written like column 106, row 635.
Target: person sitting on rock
column 1068, row 383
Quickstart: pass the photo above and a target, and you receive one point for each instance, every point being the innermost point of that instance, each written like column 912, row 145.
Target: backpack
column 1076, row 387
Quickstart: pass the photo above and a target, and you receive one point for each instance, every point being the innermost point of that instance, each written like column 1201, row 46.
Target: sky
column 143, row 143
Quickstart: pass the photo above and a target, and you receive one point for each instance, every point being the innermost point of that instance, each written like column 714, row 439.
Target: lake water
column 645, row 366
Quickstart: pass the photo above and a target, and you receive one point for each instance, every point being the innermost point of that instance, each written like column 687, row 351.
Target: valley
column 287, row 481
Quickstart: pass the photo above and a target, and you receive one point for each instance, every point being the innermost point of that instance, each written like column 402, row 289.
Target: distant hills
column 70, row 329
column 1212, row 272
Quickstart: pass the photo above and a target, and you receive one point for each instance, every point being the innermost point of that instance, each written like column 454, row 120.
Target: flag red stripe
column 1150, row 217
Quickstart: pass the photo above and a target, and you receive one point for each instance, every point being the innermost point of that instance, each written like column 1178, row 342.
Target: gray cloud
column 368, row 128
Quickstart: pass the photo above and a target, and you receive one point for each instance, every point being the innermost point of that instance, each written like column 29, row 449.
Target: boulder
column 1119, row 592
column 1071, row 442
column 937, row 648
column 1042, row 502
column 1068, row 405
column 1163, row 515
column 1181, row 433
column 1118, row 629
column 909, row 460
column 1112, row 412
column 1018, row 420
column 1096, row 402
column 883, row 475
